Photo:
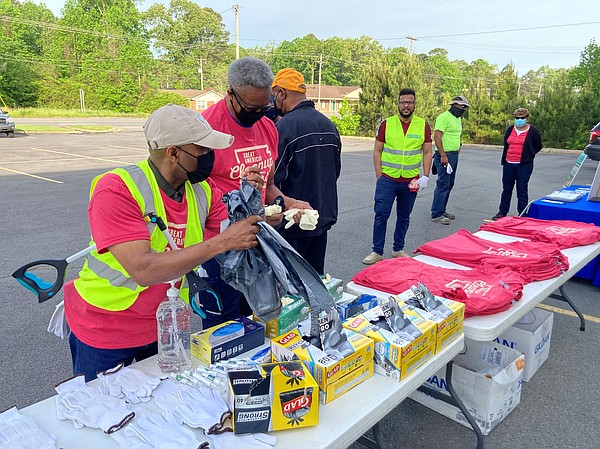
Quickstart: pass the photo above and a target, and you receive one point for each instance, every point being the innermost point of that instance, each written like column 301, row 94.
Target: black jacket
column 309, row 164
column 531, row 146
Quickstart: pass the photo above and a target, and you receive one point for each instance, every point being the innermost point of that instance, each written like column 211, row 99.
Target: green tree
column 188, row 38
column 348, row 121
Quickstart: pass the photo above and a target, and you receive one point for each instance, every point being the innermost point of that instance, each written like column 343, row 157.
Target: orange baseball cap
column 290, row 79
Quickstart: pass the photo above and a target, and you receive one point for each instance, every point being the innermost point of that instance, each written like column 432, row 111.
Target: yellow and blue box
column 226, row 340
column 396, row 356
column 280, row 396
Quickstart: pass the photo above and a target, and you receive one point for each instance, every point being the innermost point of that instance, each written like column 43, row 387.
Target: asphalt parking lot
column 44, row 185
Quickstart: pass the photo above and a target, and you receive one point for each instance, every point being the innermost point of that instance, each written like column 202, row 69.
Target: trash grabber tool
column 43, row 289
column 196, row 284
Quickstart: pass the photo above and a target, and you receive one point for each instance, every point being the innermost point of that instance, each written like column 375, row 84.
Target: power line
column 509, row 30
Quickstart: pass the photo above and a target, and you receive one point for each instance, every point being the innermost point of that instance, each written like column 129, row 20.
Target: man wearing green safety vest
column 111, row 307
column 403, row 143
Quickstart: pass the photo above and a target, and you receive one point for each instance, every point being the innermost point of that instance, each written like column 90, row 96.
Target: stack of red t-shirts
column 564, row 233
column 534, row 261
column 482, row 293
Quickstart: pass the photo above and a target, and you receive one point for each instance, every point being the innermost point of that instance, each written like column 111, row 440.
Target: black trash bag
column 249, row 271
column 273, row 268
column 305, row 281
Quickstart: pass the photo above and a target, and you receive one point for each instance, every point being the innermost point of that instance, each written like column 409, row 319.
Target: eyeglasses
column 406, row 102
column 244, row 106
column 203, row 151
column 462, row 106
column 520, row 118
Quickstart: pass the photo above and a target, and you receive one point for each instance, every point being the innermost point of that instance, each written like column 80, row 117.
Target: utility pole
column 236, row 9
column 320, row 67
column 201, row 72
column 411, row 39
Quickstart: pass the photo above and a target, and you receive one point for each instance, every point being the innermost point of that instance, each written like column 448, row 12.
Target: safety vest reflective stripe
column 103, row 282
column 400, row 166
column 402, row 154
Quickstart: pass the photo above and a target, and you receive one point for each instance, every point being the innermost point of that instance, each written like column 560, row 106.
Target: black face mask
column 456, row 111
column 247, row 118
column 203, row 167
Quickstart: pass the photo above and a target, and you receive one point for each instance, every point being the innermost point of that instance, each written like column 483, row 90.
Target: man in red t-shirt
column 242, row 114
column 111, row 307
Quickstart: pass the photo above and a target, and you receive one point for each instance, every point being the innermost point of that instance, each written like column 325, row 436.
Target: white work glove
column 228, row 440
column 166, row 397
column 449, row 169
column 152, row 431
column 22, row 432
column 58, row 323
column 88, row 407
column 202, row 407
column 272, row 209
column 289, row 216
column 422, row 182
column 129, row 383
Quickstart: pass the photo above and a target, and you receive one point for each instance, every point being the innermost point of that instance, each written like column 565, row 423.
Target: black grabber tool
column 57, row 268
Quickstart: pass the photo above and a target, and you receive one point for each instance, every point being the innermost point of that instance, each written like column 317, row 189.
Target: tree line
column 119, row 57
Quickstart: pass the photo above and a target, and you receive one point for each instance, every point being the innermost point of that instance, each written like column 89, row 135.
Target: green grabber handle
column 196, row 283
column 45, row 290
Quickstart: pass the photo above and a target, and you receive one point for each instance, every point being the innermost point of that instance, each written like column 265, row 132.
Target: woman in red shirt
column 521, row 143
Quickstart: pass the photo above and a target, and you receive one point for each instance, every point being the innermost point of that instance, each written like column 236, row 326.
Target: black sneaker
column 498, row 216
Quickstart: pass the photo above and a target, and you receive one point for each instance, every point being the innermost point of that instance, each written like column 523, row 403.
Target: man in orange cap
column 308, row 164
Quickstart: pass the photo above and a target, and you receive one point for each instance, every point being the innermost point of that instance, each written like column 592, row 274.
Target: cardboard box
column 530, row 336
column 448, row 317
column 294, row 310
column 226, row 340
column 488, row 398
column 281, row 396
column 324, row 368
column 352, row 379
column 396, row 356
column 350, row 305
column 334, row 285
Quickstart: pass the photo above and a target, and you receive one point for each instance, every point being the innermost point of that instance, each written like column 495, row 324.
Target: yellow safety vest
column 402, row 154
column 103, row 282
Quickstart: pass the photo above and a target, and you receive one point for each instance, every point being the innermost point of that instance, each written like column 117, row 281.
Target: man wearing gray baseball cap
column 111, row 307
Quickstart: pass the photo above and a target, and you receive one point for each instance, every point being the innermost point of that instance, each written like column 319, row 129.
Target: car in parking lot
column 7, row 124
column 593, row 147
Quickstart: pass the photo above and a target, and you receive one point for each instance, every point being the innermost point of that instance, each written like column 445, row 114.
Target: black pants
column 312, row 249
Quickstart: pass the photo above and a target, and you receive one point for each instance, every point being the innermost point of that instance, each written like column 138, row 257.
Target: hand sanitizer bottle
column 173, row 318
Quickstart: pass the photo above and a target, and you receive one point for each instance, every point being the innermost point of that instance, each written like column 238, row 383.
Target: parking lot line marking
column 593, row 319
column 32, row 176
column 81, row 156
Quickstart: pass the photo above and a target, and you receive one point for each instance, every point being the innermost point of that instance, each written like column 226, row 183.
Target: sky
column 529, row 34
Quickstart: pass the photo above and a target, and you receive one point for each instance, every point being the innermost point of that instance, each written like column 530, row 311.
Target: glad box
column 396, row 356
column 226, row 340
column 324, row 368
column 352, row 379
column 281, row 396
column 487, row 378
column 530, row 336
column 448, row 317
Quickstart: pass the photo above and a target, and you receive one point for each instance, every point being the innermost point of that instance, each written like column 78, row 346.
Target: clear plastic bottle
column 173, row 318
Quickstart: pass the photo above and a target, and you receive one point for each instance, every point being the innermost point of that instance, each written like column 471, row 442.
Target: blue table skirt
column 580, row 210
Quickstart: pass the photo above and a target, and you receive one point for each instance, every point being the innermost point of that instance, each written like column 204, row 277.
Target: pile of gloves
column 130, row 384
column 22, row 432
